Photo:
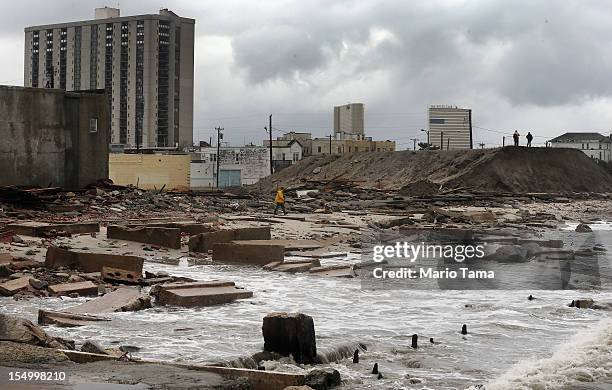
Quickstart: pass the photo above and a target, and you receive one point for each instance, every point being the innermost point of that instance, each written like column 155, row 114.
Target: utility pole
column 503, row 141
column 219, row 136
column 330, row 144
column 137, row 141
column 441, row 140
column 271, row 164
column 414, row 141
column 482, row 145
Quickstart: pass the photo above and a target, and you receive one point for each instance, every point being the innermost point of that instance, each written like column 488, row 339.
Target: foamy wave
column 587, row 357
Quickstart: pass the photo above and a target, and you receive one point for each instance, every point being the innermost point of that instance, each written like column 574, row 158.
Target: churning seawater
column 512, row 342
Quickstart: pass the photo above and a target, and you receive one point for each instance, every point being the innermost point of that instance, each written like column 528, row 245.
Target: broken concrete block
column 166, row 237
column 335, row 271
column 250, row 254
column 258, row 379
column 19, row 264
column 81, row 288
column 205, row 241
column 200, row 293
column 110, row 274
column 291, row 334
column 91, row 262
column 5, row 258
column 289, row 245
column 86, row 357
column 293, row 266
column 19, row 330
column 64, row 319
column 188, row 227
column 122, row 299
column 42, row 229
column 11, row 287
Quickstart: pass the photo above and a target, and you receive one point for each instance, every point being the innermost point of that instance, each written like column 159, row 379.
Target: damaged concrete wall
column 47, row 139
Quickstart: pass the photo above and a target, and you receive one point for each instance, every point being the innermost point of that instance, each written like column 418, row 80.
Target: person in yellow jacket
column 280, row 200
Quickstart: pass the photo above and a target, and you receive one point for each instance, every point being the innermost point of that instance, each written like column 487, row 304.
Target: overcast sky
column 543, row 66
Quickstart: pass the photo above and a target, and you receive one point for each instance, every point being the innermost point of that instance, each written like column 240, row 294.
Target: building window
column 77, row 59
column 296, row 156
column 93, row 125
column 436, row 121
column 319, row 149
column 123, row 83
column 163, row 75
column 35, row 45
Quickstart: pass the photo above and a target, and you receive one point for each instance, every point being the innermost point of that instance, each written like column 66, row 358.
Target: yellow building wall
column 150, row 171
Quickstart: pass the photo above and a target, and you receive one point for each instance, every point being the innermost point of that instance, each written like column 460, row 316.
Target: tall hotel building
column 144, row 63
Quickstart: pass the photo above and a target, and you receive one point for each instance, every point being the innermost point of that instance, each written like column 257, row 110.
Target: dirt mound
column 420, row 188
column 510, row 169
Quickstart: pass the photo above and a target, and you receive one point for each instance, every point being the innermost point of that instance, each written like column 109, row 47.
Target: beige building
column 450, row 127
column 144, row 62
column 349, row 121
column 150, row 171
column 342, row 146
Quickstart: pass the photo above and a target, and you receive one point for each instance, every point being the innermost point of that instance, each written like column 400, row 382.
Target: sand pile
column 509, row 169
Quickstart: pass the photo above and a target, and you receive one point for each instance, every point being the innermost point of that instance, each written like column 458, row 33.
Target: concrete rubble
column 197, row 294
column 205, row 241
column 162, row 236
column 248, row 253
column 100, row 243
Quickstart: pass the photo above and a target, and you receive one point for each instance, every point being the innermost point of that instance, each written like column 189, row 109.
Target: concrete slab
column 200, row 293
column 248, row 254
column 65, row 319
column 320, row 254
column 205, row 241
column 122, row 299
column 11, row 287
column 81, row 288
column 5, row 258
column 87, row 357
column 288, row 244
column 91, row 262
column 162, row 236
column 188, row 227
column 41, row 229
column 337, row 271
column 292, row 266
column 259, row 380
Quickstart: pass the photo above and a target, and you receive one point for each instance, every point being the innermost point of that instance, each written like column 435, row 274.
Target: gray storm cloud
column 548, row 55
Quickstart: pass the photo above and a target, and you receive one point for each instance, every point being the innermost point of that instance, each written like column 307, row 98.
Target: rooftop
column 164, row 14
column 580, row 137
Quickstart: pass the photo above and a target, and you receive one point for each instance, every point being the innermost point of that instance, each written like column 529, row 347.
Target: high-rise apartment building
column 144, row 63
column 450, row 127
column 348, row 121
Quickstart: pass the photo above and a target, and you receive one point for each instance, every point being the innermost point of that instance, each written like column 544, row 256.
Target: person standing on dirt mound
column 516, row 136
column 529, row 139
column 279, row 199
